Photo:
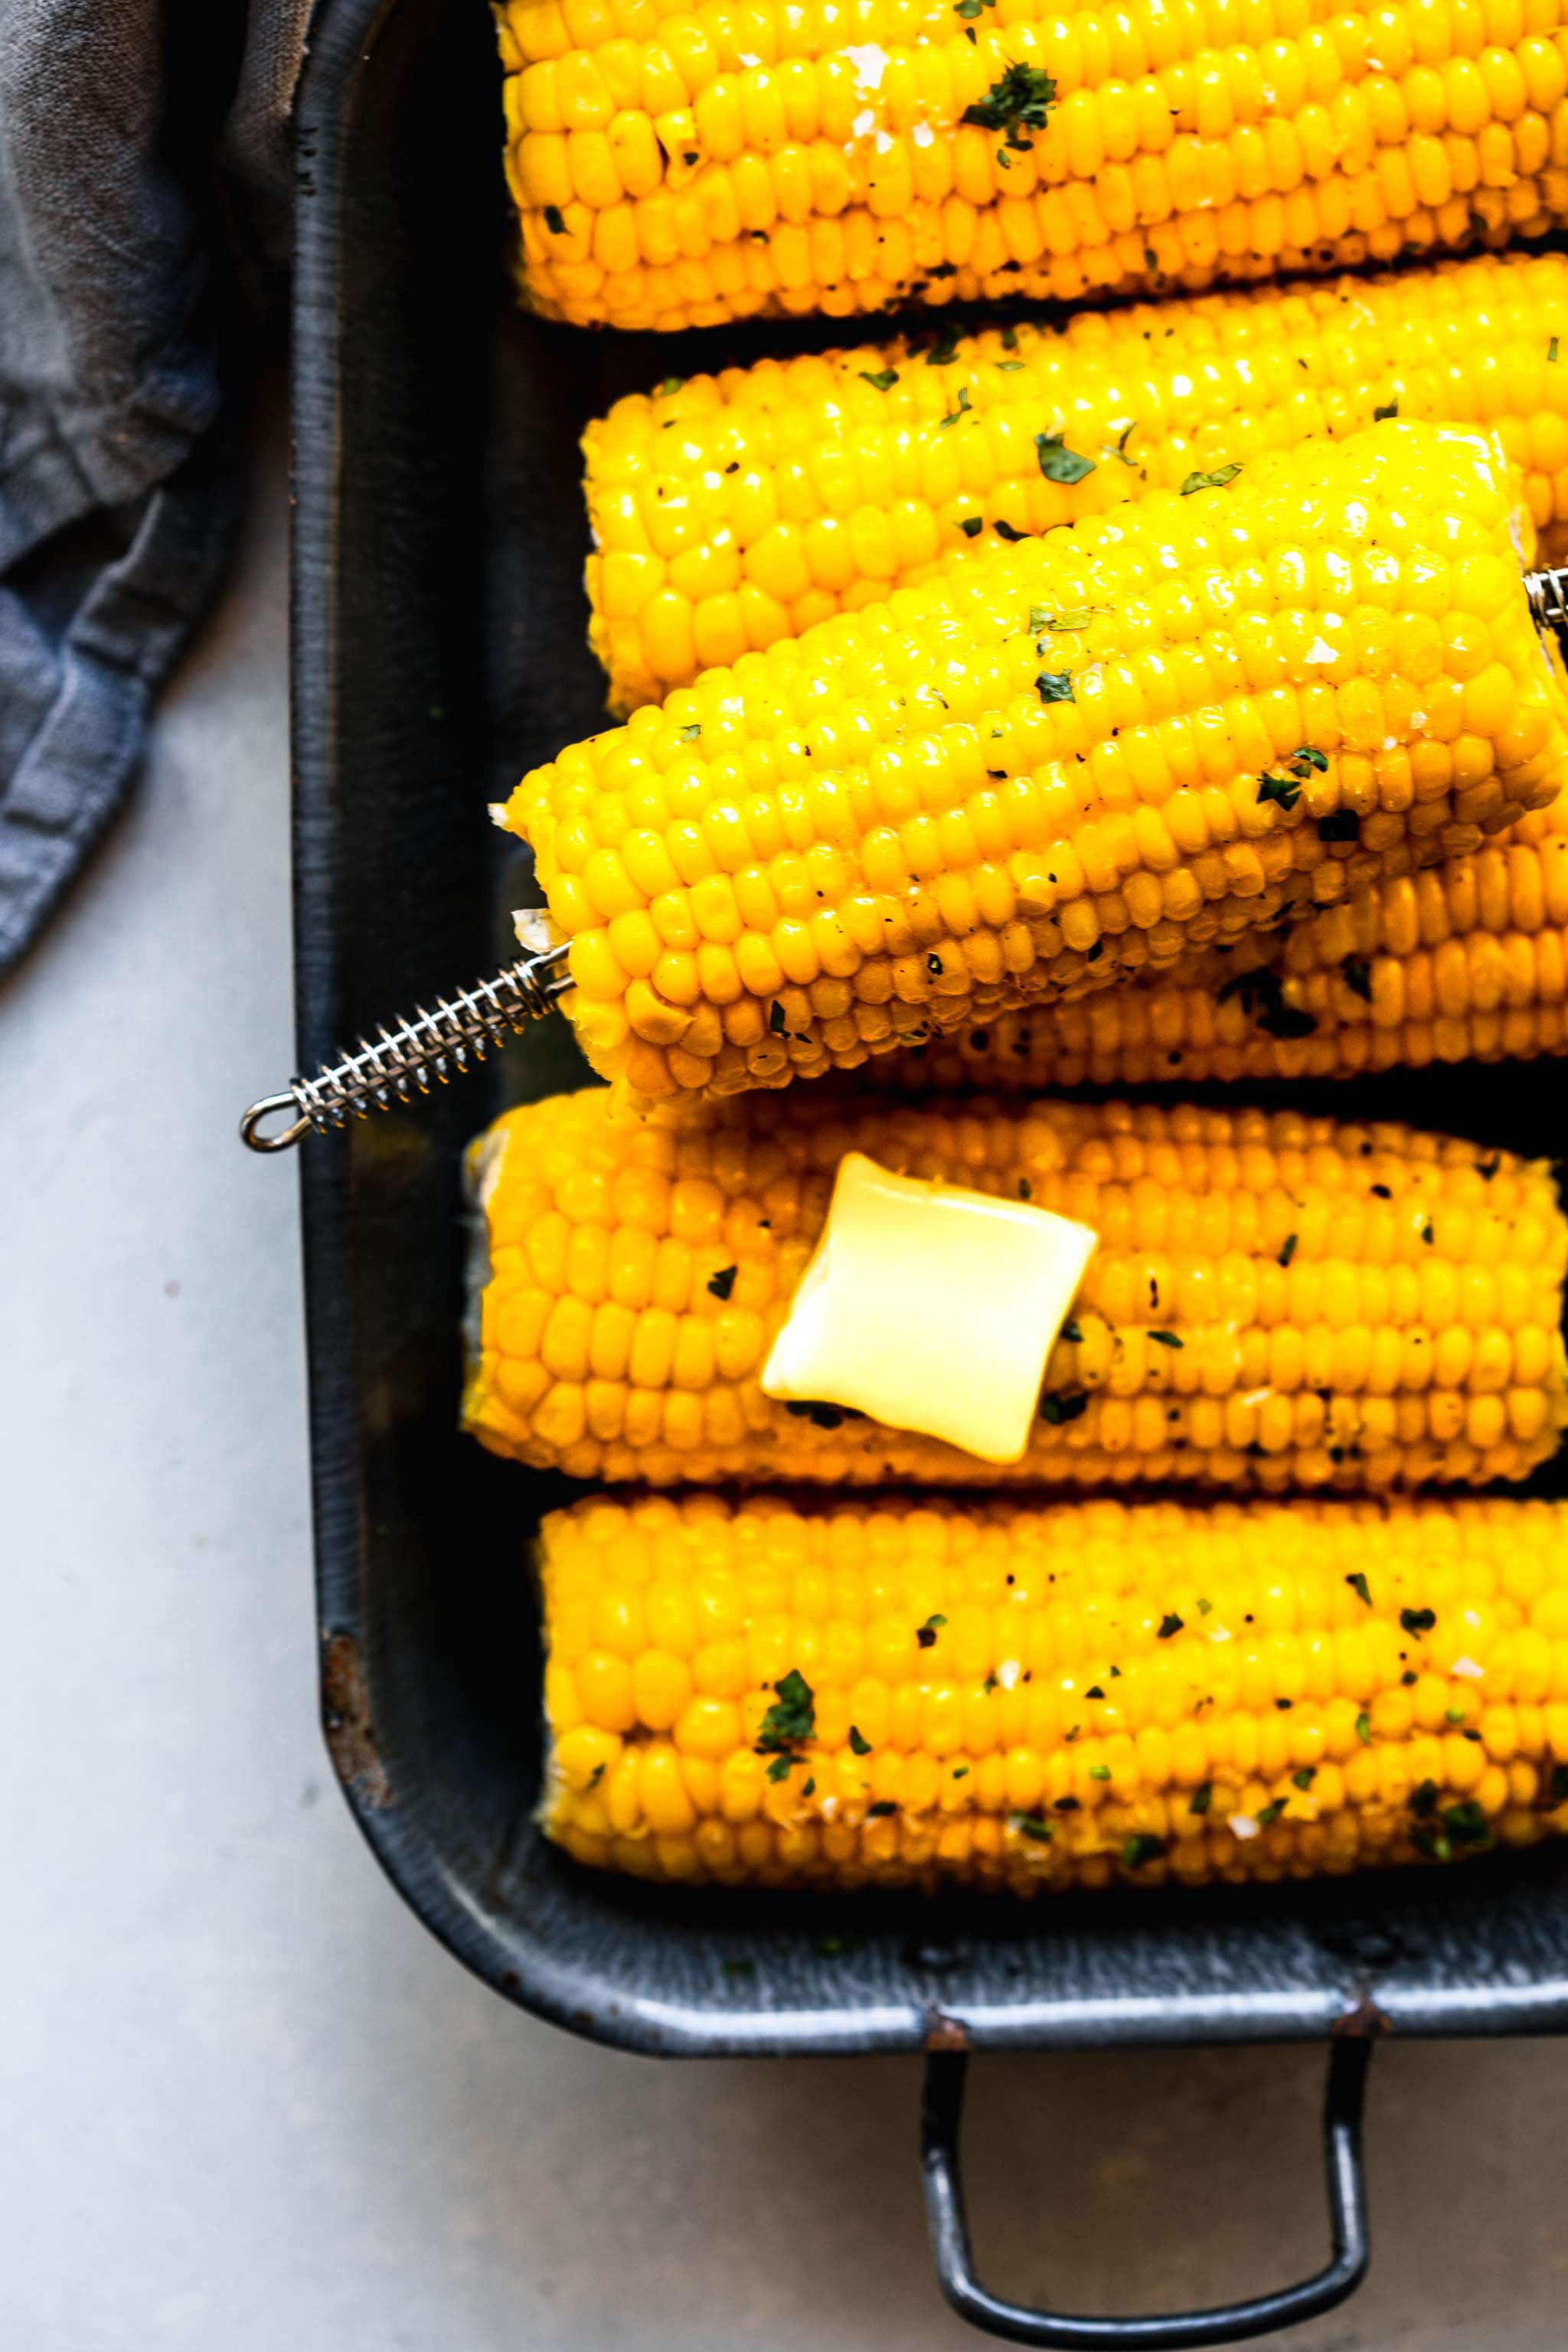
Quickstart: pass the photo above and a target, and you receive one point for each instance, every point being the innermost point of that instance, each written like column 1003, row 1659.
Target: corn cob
column 682, row 168
column 1463, row 962
column 1055, row 767
column 1276, row 1300
column 728, row 510
column 896, row 1693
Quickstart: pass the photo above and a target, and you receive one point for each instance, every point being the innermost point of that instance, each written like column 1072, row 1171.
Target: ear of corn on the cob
column 1055, row 767
column 1275, row 1300
column 898, row 1693
column 731, row 510
column 681, row 168
column 1464, row 961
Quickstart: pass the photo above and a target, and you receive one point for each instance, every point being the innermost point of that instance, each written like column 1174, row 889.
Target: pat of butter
column 931, row 1309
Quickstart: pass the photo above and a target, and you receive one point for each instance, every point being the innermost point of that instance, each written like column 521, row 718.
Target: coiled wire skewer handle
column 441, row 1043
column 435, row 1045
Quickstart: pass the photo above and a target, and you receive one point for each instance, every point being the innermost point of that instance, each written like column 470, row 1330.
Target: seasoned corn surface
column 1057, row 765
column 899, row 1693
column 731, row 510
column 1276, row 1300
column 678, row 167
column 1465, row 961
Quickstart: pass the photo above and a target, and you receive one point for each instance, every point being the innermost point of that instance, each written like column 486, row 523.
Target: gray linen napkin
column 144, row 212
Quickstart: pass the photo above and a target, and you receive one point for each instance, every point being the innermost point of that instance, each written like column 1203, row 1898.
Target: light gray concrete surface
column 247, row 2101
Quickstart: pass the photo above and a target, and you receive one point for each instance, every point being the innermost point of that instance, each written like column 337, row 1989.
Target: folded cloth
column 144, row 212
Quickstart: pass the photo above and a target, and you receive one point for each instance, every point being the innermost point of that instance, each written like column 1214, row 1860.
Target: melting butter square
column 931, row 1307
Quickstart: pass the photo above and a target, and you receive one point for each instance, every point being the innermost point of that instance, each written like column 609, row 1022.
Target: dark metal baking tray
column 438, row 651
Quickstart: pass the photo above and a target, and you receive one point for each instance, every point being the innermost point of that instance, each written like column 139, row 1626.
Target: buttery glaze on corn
column 682, row 167
column 731, row 510
column 1276, row 1301
column 1467, row 961
column 1021, row 1698
column 1061, row 764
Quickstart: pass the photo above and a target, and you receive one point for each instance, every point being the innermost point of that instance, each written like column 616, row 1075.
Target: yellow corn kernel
column 893, row 465
column 1277, row 1302
column 1031, row 1696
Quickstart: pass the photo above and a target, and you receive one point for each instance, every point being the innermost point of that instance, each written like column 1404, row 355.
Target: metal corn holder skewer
column 443, row 1044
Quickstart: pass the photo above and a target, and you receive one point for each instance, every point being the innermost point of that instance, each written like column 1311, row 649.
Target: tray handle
column 941, row 2110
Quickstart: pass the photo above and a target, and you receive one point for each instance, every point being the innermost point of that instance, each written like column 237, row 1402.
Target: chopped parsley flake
column 1201, row 1797
column 721, row 1283
column 778, row 1021
column 1551, row 349
column 1358, row 1585
column 859, row 1744
column 926, row 1635
column 1390, row 409
column 1363, row 1728
column 596, row 1776
column 1356, row 974
column 1030, row 1825
column 1268, row 1814
column 963, row 409
column 1141, row 1848
column 880, row 379
column 942, row 351
column 1166, row 1339
column 779, row 1769
column 1418, row 1621
column 1094, row 1691
column 1286, row 790
column 555, row 223
column 1070, row 1331
column 1287, row 1248
column 1069, row 1404
column 961, row 1771
column 1055, row 686
column 1215, row 481
column 880, row 1810
column 1340, row 825
column 1304, row 1777
column 1100, row 1771
column 1057, row 462
column 792, row 1716
column 1169, row 1623
column 690, row 734
column 1020, row 102
column 971, row 526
